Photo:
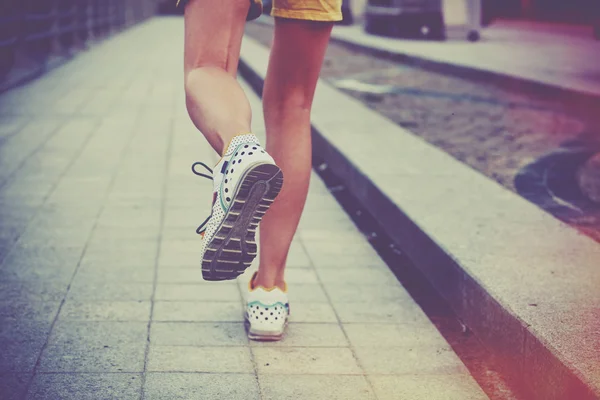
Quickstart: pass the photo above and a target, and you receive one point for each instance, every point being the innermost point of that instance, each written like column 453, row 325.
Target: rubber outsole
column 263, row 336
column 232, row 248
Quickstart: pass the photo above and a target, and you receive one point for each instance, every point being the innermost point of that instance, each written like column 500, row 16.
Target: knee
column 289, row 99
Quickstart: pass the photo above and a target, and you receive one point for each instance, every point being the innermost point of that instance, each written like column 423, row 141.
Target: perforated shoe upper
column 267, row 310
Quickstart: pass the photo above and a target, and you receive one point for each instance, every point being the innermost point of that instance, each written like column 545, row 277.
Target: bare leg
column 215, row 101
column 294, row 66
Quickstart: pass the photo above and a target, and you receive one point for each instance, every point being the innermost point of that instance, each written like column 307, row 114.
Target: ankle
column 269, row 281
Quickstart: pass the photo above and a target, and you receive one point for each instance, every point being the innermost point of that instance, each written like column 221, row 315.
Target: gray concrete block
column 309, row 335
column 427, row 387
column 348, row 244
column 326, row 235
column 298, row 257
column 342, row 261
column 13, row 386
column 300, row 275
column 44, row 255
column 85, row 386
column 347, row 293
column 140, row 255
column 21, row 342
column 37, row 272
column 19, row 357
column 181, row 253
column 358, row 275
column 305, row 360
column 75, row 237
column 212, row 386
column 200, row 359
column 409, row 360
column 189, row 311
column 305, row 387
column 106, row 273
column 95, row 347
column 307, row 293
column 198, row 334
column 174, row 234
column 98, row 332
column 90, row 357
column 423, row 333
column 167, row 274
column 105, row 311
column 405, row 311
column 212, row 291
column 28, row 310
column 35, row 290
column 313, row 312
column 105, row 233
column 109, row 291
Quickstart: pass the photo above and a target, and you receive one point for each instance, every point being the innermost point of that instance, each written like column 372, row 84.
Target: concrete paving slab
column 313, row 312
column 425, row 387
column 11, row 310
column 367, row 312
column 190, row 311
column 197, row 292
column 85, row 358
column 304, row 387
column 13, row 386
column 21, row 342
column 415, row 360
column 198, row 334
column 357, row 275
column 32, row 290
column 85, row 386
column 305, row 360
column 201, row 386
column 107, row 291
column 310, row 335
column 105, row 311
column 200, row 359
column 166, row 274
column 106, row 273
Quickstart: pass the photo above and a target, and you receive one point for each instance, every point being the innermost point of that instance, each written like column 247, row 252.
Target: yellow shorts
column 310, row 10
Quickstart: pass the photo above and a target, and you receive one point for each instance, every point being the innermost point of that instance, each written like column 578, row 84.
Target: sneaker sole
column 233, row 247
column 263, row 336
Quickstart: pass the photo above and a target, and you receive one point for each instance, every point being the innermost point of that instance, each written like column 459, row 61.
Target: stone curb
column 520, row 279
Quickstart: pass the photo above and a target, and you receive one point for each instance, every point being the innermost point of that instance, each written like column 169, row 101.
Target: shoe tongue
column 241, row 139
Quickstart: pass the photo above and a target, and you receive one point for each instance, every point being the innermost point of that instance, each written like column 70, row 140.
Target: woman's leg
column 294, row 66
column 215, row 101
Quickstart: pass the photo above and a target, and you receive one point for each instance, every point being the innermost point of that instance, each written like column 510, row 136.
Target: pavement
column 101, row 295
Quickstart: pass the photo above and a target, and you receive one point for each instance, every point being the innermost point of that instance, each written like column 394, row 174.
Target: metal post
column 474, row 20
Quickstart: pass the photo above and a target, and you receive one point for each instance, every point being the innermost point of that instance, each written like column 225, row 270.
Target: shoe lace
column 202, row 228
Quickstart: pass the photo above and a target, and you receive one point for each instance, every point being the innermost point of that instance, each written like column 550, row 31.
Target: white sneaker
column 267, row 312
column 246, row 182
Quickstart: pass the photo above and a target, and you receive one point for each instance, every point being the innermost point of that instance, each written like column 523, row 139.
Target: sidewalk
column 555, row 56
column 101, row 295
